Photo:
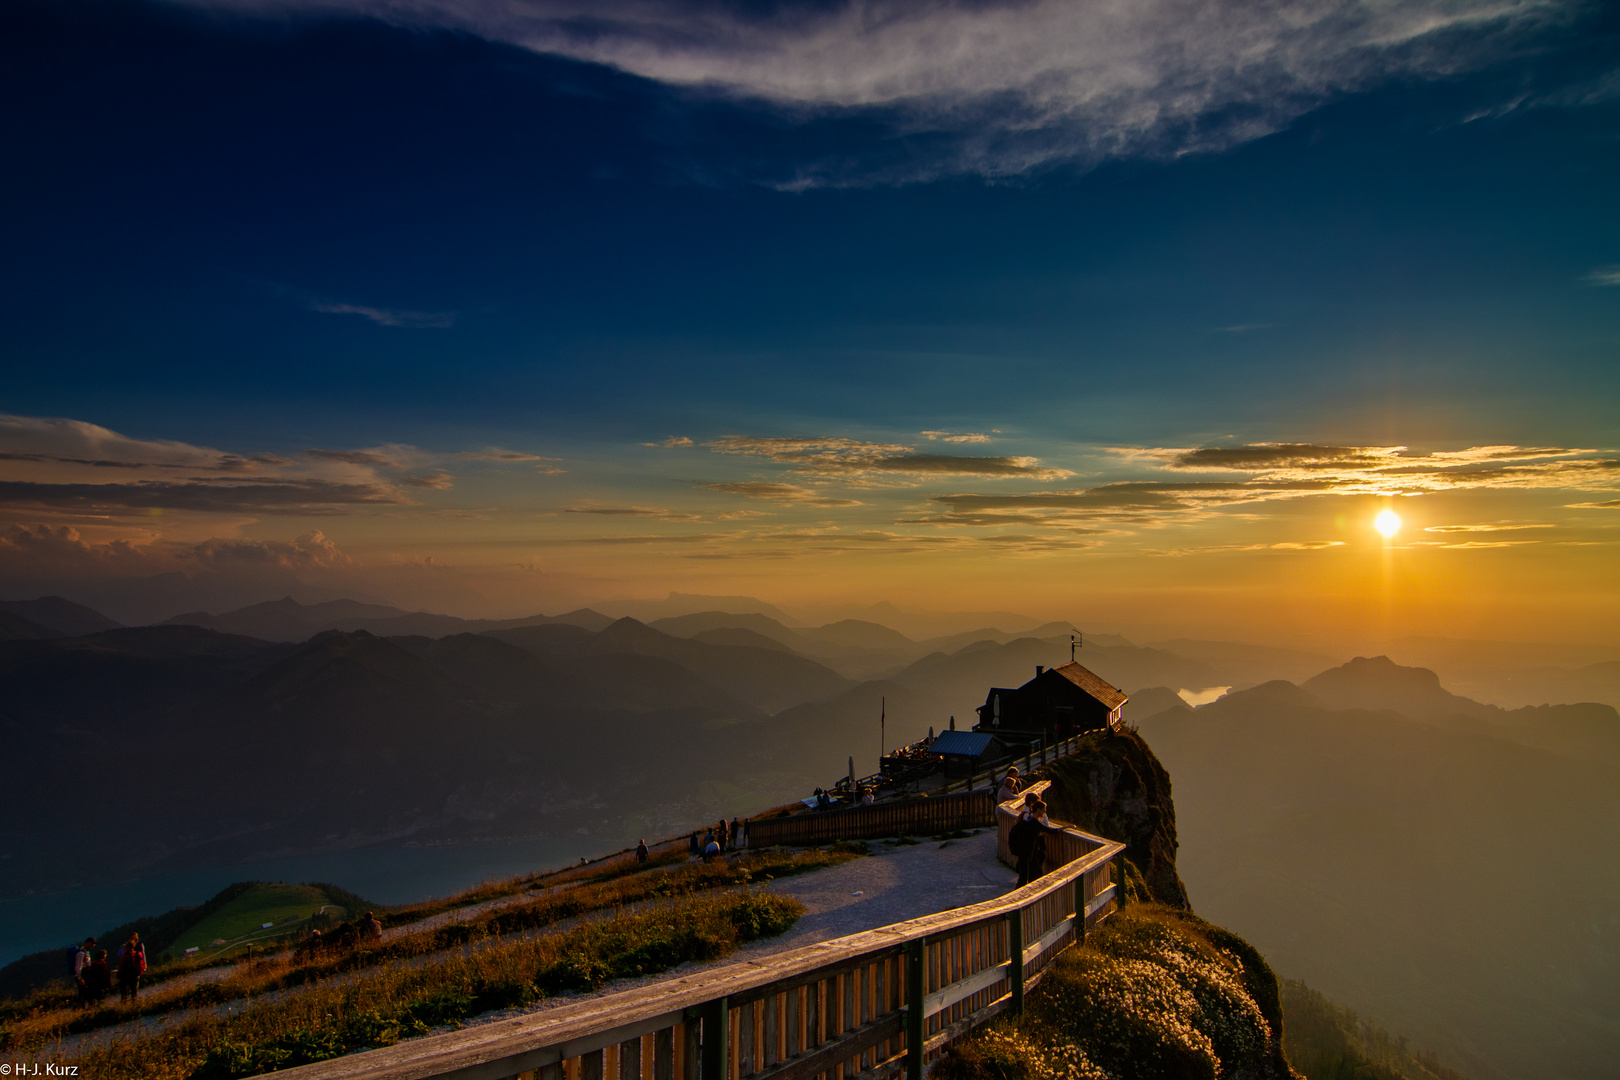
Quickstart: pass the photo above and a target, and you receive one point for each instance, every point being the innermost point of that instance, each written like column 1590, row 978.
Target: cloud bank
column 852, row 459
column 999, row 87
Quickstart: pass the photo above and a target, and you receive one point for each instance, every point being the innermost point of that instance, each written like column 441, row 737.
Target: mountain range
column 1389, row 840
column 1443, row 866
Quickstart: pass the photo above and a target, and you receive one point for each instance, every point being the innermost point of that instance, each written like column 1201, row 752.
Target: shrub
column 1155, row 994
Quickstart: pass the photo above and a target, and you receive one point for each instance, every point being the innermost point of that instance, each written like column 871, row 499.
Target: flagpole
column 883, row 724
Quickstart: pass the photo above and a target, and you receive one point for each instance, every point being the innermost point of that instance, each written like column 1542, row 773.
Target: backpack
column 1021, row 837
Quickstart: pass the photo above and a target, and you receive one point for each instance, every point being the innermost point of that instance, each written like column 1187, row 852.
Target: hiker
column 78, row 962
column 722, row 833
column 1010, row 786
column 641, row 850
column 736, row 834
column 711, row 846
column 98, row 977
column 371, row 930
column 1027, row 840
column 131, row 966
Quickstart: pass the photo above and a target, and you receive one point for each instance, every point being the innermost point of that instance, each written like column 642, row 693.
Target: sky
column 1133, row 314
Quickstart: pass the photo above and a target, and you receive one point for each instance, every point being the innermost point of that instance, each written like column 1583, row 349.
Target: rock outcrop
column 1115, row 787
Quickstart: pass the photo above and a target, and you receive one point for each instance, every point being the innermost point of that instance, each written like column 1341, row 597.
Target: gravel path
column 893, row 885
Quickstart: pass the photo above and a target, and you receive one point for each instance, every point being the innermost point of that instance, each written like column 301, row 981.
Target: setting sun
column 1387, row 522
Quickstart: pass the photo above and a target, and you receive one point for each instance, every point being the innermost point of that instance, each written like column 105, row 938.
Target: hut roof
column 1111, row 697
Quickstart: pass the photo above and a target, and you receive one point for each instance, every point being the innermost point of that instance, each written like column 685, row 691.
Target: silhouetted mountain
column 1150, row 702
column 212, row 746
column 17, row 628
column 1515, row 673
column 1380, row 683
column 919, row 624
column 678, row 604
column 288, row 620
column 953, row 642
column 63, row 616
column 767, row 679
column 969, row 672
column 857, row 634
column 1303, row 826
column 736, row 635
column 1239, row 664
column 638, row 683
column 1582, row 729
column 690, row 626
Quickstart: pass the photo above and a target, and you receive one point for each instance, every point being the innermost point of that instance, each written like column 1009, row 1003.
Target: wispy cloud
column 542, row 465
column 63, row 550
column 790, row 493
column 961, row 437
column 268, row 496
column 858, row 460
column 632, row 511
column 356, row 457
column 411, row 320
column 671, row 443
column 1246, row 328
column 1495, row 527
column 1604, row 275
column 433, row 481
column 507, row 456
column 1000, row 87
column 1270, row 472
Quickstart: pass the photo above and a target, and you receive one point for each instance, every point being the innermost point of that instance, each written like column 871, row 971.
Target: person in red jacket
column 131, row 966
column 98, row 977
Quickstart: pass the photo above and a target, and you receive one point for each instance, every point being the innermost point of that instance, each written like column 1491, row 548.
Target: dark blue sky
column 186, row 188
column 265, row 233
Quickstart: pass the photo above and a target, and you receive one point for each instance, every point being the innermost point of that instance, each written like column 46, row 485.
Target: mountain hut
column 1057, row 703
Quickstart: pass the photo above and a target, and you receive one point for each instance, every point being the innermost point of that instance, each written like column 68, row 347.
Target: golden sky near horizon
column 1273, row 542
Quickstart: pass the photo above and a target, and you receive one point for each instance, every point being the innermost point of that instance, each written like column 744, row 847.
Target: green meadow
column 285, row 907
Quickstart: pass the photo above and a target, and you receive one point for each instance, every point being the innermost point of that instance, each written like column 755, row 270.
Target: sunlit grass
column 46, row 1016
column 383, row 1005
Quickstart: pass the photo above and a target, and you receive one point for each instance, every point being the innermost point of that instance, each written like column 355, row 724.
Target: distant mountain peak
column 1377, row 682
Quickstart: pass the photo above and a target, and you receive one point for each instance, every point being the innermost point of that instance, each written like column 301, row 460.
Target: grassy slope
column 285, row 907
column 46, row 1016
column 1327, row 1042
column 384, row 1005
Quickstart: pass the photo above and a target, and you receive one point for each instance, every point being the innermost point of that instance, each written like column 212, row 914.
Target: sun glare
column 1387, row 522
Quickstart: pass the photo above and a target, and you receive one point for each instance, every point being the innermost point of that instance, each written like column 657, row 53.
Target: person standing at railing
column 1010, row 786
column 1027, row 840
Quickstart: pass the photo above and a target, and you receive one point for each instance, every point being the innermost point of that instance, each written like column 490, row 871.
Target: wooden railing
column 901, row 817
column 863, row 1007
column 1030, row 761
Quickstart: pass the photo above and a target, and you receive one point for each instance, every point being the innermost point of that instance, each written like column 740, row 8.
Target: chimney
column 1039, row 670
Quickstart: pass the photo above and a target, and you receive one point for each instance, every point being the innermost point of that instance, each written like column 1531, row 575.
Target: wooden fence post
column 1015, row 953
column 916, row 1027
column 716, row 1037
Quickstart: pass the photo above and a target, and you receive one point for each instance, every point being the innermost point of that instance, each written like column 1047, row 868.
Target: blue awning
column 965, row 743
